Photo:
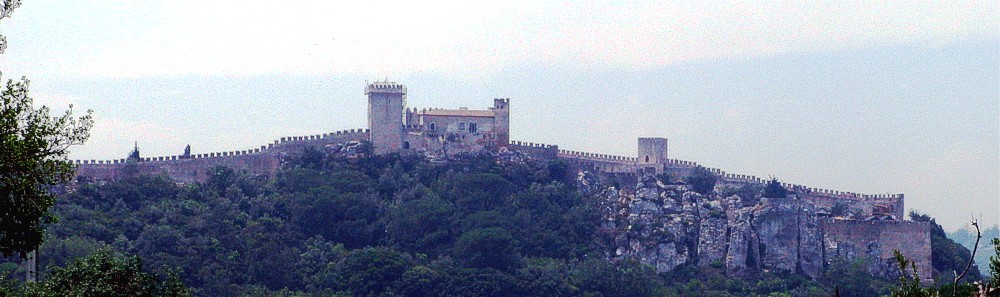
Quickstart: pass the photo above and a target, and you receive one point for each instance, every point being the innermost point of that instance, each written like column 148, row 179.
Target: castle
column 871, row 224
column 432, row 130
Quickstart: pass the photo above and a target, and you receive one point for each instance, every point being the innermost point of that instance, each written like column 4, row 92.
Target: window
column 647, row 158
column 432, row 127
column 472, row 127
column 461, row 126
column 406, row 145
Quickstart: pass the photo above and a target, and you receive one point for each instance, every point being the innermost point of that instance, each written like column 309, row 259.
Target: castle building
column 871, row 224
column 438, row 131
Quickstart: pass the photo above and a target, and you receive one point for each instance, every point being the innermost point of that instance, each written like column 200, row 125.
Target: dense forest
column 326, row 224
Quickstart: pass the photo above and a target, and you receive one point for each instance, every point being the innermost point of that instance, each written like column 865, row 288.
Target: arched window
column 433, row 126
column 647, row 158
column 406, row 145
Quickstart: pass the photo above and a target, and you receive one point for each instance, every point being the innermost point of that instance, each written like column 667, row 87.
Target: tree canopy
column 33, row 149
column 774, row 189
column 701, row 180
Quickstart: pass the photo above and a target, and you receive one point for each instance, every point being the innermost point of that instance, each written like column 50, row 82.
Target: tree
column 7, row 7
column 852, row 278
column 32, row 156
column 995, row 267
column 774, row 189
column 948, row 257
column 488, row 248
column 702, row 180
column 370, row 271
column 909, row 282
column 33, row 149
column 609, row 279
column 106, row 274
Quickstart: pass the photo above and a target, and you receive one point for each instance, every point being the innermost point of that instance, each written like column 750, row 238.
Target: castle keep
column 865, row 225
column 436, row 130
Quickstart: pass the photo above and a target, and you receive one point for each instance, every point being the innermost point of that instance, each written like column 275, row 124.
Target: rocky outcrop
column 789, row 236
column 667, row 226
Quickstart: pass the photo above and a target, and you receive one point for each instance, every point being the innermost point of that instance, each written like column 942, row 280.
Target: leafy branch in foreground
column 909, row 283
column 33, row 156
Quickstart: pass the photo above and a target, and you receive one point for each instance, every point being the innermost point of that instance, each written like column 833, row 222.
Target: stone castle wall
column 264, row 160
column 877, row 239
column 443, row 144
column 862, row 205
column 536, row 150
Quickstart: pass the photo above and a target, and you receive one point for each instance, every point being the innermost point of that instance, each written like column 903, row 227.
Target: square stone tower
column 501, row 119
column 385, row 116
column 652, row 150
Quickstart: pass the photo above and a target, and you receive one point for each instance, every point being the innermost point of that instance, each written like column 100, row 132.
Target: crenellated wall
column 264, row 160
column 537, row 150
column 861, row 205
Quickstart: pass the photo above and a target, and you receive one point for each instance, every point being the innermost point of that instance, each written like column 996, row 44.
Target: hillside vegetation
column 387, row 225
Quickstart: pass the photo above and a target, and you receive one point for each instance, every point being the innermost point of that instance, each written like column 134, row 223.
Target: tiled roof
column 458, row 112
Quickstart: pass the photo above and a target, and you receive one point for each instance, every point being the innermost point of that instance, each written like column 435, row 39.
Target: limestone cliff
column 666, row 226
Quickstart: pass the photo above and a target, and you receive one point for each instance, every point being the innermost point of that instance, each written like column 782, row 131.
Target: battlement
column 413, row 128
column 263, row 148
column 743, row 178
column 385, row 87
column 597, row 157
column 537, row 150
column 263, row 160
column 863, row 205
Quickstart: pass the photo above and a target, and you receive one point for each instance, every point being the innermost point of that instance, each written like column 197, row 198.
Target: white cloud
column 395, row 39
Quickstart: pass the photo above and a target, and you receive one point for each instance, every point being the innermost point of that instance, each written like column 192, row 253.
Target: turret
column 385, row 116
column 652, row 150
column 501, row 112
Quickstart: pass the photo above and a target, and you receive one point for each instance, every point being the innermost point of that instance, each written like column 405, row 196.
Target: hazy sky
column 873, row 97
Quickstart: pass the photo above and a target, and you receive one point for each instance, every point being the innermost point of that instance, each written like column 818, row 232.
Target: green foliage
column 545, row 277
column 33, row 148
column 839, row 209
column 384, row 226
column 774, row 189
column 710, row 281
column 488, row 248
column 421, row 225
column 369, row 271
column 62, row 251
column 747, row 192
column 610, row 279
column 909, row 280
column 995, row 265
column 852, row 278
column 327, row 224
column 702, row 180
column 103, row 274
column 947, row 256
